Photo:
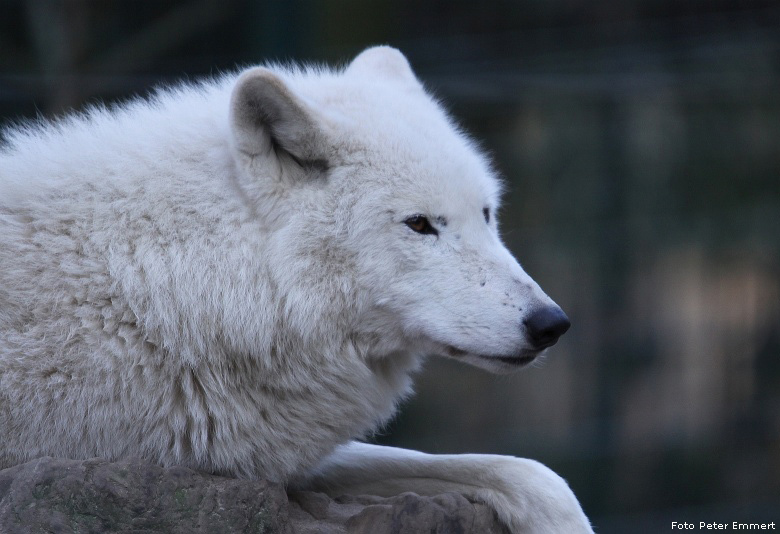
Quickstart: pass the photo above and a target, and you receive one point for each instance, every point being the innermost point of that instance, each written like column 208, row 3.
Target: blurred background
column 640, row 143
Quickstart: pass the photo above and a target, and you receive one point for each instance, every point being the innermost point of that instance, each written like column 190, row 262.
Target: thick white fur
column 222, row 277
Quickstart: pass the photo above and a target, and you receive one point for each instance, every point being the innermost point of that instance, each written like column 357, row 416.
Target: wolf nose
column 545, row 326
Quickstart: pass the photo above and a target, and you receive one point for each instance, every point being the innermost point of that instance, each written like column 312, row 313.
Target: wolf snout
column 545, row 325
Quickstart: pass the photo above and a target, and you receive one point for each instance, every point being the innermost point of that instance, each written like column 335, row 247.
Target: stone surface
column 51, row 495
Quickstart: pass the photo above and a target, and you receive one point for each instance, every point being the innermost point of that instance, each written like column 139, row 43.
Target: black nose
column 545, row 326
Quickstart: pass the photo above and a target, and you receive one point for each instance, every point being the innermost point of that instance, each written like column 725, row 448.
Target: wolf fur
column 236, row 276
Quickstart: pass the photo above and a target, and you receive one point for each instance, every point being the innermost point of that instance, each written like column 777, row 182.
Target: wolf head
column 388, row 209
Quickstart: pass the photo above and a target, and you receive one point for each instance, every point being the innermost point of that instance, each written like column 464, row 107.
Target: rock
column 408, row 513
column 133, row 496
column 54, row 495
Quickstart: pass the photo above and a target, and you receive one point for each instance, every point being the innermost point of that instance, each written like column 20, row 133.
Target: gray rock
column 54, row 495
column 51, row 495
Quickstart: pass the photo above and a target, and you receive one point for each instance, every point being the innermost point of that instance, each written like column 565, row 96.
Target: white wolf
column 240, row 277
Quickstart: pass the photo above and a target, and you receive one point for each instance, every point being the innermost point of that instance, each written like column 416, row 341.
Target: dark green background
column 640, row 143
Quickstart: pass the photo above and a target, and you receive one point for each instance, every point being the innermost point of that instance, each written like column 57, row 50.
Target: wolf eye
column 421, row 225
column 486, row 213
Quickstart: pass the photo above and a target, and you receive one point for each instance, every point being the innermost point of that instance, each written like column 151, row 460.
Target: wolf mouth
column 524, row 358
column 513, row 360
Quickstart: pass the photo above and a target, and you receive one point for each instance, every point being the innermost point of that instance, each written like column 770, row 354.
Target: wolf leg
column 527, row 496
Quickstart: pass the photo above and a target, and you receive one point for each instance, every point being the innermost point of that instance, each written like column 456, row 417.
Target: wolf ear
column 266, row 116
column 383, row 61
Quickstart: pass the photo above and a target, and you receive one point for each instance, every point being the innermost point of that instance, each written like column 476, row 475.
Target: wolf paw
column 530, row 498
